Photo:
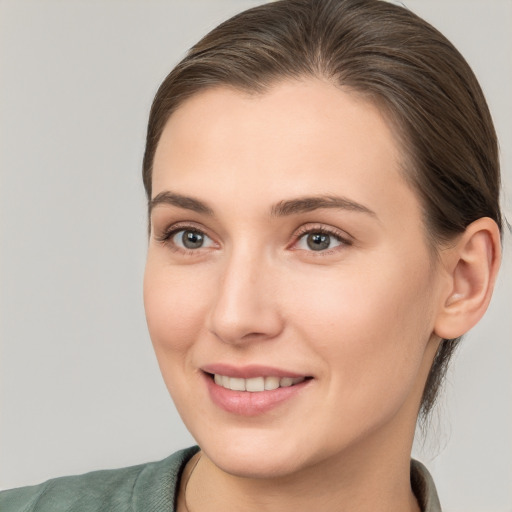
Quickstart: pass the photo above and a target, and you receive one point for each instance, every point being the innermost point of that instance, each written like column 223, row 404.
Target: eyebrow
column 308, row 204
column 281, row 209
column 173, row 199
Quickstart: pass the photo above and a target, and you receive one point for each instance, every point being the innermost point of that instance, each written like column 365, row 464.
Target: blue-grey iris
column 192, row 239
column 318, row 241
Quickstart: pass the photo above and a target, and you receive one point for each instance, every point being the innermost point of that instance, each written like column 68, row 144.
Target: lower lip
column 247, row 403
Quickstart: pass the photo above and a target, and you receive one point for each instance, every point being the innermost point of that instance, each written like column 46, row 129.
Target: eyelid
column 170, row 229
column 341, row 236
column 165, row 237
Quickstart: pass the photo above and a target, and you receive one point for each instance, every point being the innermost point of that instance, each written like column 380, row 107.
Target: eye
column 319, row 240
column 190, row 239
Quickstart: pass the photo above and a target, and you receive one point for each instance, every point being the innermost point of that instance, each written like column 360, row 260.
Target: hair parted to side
column 411, row 71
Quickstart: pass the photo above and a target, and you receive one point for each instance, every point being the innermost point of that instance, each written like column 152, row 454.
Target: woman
column 324, row 224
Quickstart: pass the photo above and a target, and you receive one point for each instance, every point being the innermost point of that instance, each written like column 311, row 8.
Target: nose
column 245, row 306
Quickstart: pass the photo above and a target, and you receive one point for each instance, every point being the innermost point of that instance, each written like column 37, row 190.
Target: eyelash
column 166, row 237
column 168, row 234
column 341, row 237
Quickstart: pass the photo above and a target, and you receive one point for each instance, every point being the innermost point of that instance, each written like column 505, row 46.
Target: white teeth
column 271, row 383
column 236, row 384
column 255, row 384
column 286, row 382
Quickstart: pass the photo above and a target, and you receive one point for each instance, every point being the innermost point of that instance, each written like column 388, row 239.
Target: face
column 287, row 250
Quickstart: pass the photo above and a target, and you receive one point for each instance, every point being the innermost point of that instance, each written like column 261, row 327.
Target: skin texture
column 360, row 317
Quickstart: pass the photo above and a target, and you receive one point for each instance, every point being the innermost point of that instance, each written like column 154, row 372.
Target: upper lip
column 249, row 371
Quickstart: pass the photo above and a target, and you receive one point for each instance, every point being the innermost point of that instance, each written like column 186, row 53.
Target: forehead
column 306, row 109
column 299, row 136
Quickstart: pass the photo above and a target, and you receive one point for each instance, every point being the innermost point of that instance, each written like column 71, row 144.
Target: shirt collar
column 424, row 488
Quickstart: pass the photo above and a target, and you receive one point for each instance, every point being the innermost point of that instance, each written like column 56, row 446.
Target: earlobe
column 472, row 265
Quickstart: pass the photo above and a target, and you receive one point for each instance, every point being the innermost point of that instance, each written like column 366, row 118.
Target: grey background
column 80, row 387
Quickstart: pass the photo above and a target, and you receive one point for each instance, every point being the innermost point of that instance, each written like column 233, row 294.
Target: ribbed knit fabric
column 148, row 487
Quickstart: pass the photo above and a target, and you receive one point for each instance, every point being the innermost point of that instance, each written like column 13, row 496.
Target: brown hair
column 385, row 52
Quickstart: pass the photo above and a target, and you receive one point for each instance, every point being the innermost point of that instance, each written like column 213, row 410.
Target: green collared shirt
column 148, row 487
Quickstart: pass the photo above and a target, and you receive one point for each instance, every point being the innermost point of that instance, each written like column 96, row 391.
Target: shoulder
column 147, row 487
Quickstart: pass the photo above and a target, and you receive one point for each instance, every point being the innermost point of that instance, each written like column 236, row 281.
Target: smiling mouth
column 256, row 384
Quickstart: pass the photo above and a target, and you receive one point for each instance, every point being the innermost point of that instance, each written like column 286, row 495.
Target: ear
column 472, row 265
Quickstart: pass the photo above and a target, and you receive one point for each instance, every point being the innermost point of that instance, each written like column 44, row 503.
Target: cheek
column 175, row 304
column 371, row 327
column 351, row 303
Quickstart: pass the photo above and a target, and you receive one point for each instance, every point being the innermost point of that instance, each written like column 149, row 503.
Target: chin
column 260, row 465
column 251, row 454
